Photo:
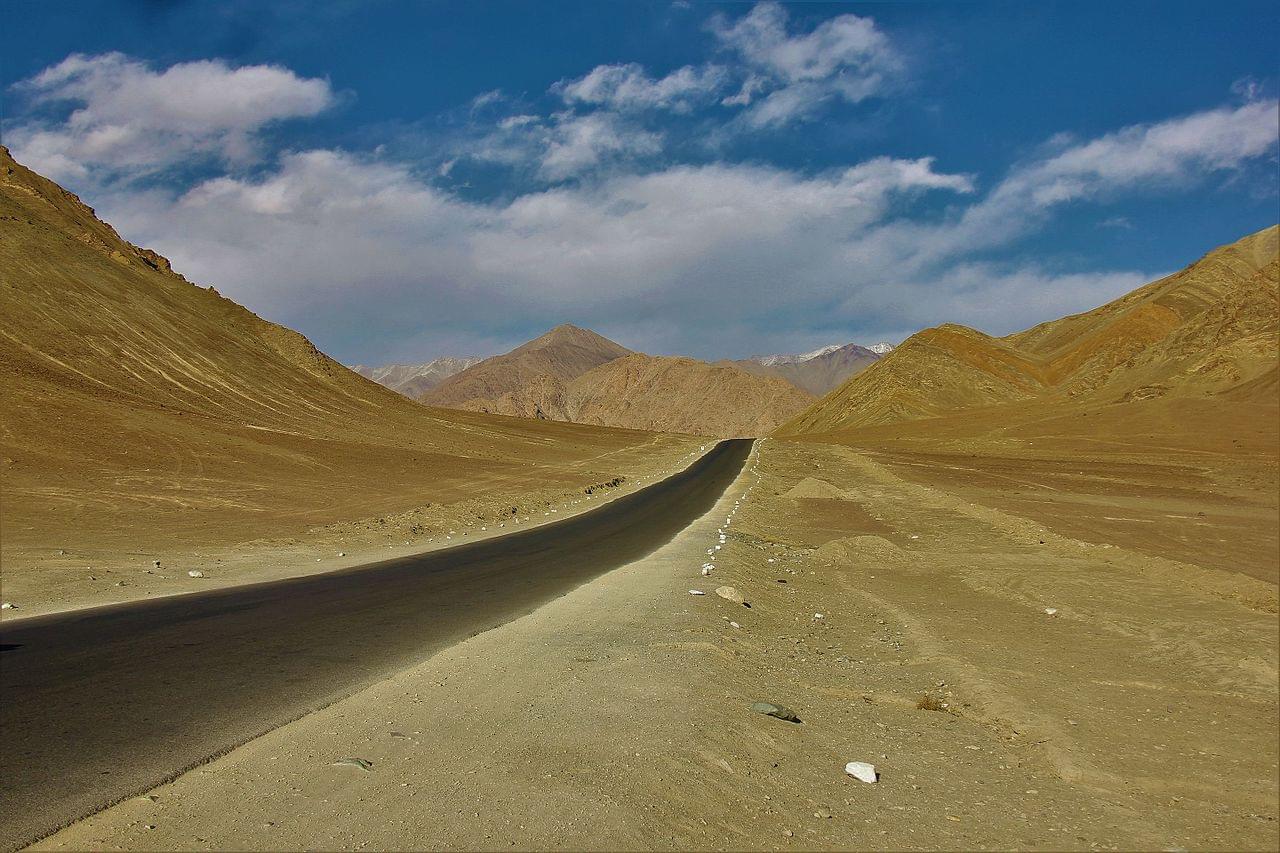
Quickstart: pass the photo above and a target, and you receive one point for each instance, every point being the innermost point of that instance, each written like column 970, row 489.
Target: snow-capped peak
column 882, row 348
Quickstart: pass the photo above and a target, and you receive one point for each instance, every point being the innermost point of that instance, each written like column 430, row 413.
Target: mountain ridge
column 1205, row 330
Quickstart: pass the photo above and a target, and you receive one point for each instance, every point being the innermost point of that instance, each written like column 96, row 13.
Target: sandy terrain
column 102, row 554
column 1139, row 713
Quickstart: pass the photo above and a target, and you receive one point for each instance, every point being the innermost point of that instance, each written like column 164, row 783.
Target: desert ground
column 1032, row 579
column 1021, row 673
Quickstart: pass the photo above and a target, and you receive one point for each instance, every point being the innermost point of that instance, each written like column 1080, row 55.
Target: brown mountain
column 572, row 374
column 141, row 411
column 529, row 381
column 682, row 395
column 1209, row 330
column 816, row 372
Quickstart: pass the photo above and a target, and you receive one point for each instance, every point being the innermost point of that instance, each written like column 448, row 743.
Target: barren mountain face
column 1208, row 331
column 142, row 411
column 572, row 374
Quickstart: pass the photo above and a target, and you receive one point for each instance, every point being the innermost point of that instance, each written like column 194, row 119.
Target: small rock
column 771, row 710
column 822, row 813
column 155, row 563
column 195, row 573
column 342, row 553
column 8, row 605
column 696, row 592
column 729, row 593
column 706, row 570
column 1051, row 611
column 353, row 762
column 788, row 833
column 863, row 771
column 734, row 625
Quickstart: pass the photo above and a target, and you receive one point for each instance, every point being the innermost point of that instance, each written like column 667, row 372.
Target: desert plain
column 1031, row 579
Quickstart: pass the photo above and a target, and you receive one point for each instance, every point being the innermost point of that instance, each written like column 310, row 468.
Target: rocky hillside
column 1209, row 330
column 572, row 374
column 682, row 395
column 137, row 405
column 529, row 381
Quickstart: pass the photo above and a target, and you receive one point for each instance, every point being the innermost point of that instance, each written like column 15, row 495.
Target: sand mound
column 811, row 487
column 862, row 550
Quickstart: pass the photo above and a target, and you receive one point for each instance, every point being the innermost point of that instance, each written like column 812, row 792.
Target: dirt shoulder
column 1088, row 696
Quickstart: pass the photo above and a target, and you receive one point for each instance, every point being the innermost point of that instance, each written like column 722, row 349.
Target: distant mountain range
column 814, row 372
column 413, row 380
column 574, row 374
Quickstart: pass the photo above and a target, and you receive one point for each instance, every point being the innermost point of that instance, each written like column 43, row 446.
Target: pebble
column 8, row 605
column 1051, row 611
column 781, row 712
column 353, row 762
column 195, row 573
column 863, row 771
column 729, row 593
column 696, row 592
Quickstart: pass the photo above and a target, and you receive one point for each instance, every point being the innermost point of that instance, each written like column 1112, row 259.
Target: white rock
column 8, row 605
column 734, row 625
column 696, row 592
column 706, row 570
column 342, row 553
column 863, row 771
column 1051, row 611
column 817, row 616
column 195, row 573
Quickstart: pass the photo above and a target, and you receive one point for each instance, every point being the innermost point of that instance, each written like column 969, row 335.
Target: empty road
column 101, row 704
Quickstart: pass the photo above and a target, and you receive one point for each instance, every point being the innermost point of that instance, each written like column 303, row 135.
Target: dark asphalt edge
column 170, row 777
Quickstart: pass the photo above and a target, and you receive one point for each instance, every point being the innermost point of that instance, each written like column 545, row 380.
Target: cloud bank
column 379, row 257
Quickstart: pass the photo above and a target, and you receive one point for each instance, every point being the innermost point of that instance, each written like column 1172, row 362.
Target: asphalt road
column 98, row 705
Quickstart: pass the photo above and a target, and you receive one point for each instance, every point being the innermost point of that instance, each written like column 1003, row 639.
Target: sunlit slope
column 683, row 395
column 1208, row 330
column 573, row 374
column 530, row 380
column 132, row 397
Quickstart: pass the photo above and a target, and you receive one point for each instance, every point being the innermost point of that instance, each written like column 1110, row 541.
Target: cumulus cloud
column 128, row 118
column 629, row 87
column 562, row 145
column 846, row 57
column 370, row 256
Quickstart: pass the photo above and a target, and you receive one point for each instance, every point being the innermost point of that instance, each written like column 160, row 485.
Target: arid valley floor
column 1032, row 579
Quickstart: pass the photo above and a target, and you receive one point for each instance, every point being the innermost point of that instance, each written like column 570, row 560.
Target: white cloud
column 337, row 244
column 128, row 118
column 629, row 87
column 846, row 57
column 563, row 145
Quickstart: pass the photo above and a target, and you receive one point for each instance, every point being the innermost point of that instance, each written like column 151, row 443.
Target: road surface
column 101, row 704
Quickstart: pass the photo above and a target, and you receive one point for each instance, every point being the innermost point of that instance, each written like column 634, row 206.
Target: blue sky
column 405, row 180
